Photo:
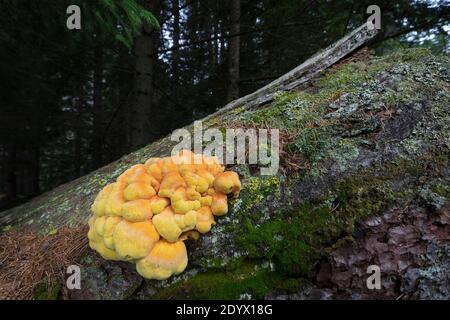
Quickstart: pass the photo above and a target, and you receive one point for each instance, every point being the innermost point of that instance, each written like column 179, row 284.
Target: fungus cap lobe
column 137, row 210
column 227, row 182
column 163, row 261
column 219, row 204
column 134, row 240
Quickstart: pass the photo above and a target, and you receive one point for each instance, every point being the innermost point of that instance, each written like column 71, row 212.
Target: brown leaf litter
column 27, row 259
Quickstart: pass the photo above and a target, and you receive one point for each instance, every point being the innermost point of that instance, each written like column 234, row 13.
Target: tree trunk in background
column 11, row 180
column 144, row 45
column 221, row 42
column 216, row 44
column 78, row 133
column 2, row 170
column 176, row 42
column 98, row 108
column 233, row 58
column 36, row 189
column 35, row 171
column 124, row 103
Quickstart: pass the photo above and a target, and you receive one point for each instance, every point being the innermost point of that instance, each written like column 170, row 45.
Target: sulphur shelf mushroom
column 145, row 216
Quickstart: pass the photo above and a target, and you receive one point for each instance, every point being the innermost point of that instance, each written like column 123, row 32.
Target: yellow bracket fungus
column 147, row 214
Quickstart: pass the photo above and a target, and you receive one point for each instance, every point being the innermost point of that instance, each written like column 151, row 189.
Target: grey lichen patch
column 431, row 199
column 104, row 280
column 344, row 154
column 431, row 278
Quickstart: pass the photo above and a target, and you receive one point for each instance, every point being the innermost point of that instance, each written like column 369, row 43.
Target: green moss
column 214, row 262
column 412, row 54
column 238, row 110
column 442, row 190
column 43, row 291
column 362, row 197
column 348, row 75
column 50, row 230
column 7, row 228
column 295, row 239
column 289, row 111
column 301, row 114
column 259, row 117
column 263, row 185
column 247, row 279
column 285, row 242
column 223, row 131
column 310, row 143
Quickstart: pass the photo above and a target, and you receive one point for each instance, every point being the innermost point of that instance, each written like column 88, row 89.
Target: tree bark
column 216, row 53
column 124, row 103
column 144, row 45
column 98, row 107
column 176, row 42
column 78, row 128
column 11, row 174
column 234, row 51
column 35, row 158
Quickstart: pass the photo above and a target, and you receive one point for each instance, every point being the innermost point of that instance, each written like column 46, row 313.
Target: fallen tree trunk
column 365, row 181
column 69, row 204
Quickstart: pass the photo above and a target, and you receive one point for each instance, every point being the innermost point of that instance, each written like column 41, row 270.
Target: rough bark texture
column 234, row 51
column 176, row 43
column 144, row 45
column 78, row 128
column 98, row 108
column 371, row 137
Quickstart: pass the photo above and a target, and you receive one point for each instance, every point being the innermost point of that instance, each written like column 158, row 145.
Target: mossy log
column 369, row 138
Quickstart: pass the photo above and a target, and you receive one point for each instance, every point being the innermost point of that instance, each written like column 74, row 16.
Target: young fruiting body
column 147, row 214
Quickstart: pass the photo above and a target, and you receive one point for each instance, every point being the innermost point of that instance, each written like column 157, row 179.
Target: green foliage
column 128, row 14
